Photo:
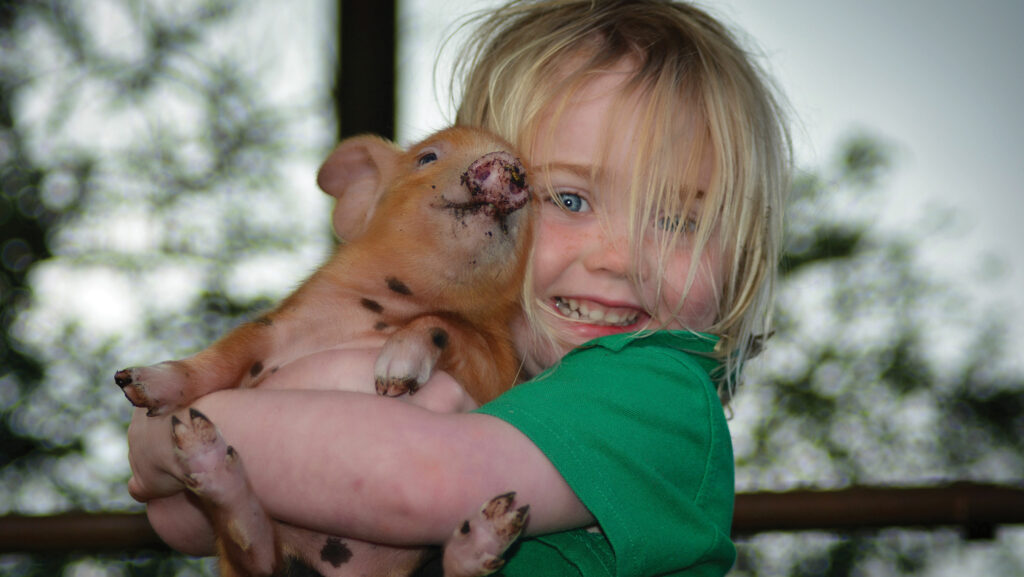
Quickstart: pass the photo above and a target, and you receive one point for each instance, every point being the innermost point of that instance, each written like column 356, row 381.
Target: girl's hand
column 182, row 524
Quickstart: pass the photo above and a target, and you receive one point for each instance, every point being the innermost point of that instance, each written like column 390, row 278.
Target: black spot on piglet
column 294, row 567
column 439, row 337
column 335, row 552
column 398, row 286
column 371, row 305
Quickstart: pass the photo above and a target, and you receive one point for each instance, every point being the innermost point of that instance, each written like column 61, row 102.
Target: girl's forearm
column 381, row 470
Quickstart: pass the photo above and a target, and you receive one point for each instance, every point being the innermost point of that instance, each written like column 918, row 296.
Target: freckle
column 255, row 369
column 371, row 305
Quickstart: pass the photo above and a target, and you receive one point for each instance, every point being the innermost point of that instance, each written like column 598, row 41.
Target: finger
column 137, row 490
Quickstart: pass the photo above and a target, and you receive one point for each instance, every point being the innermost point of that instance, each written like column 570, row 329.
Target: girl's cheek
column 554, row 248
column 700, row 309
column 701, row 312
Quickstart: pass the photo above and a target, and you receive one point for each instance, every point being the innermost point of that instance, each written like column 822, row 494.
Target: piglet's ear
column 356, row 174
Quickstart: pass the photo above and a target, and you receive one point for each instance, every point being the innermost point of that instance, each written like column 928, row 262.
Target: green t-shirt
column 636, row 428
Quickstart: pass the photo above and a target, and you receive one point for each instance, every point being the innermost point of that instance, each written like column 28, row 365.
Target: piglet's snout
column 497, row 181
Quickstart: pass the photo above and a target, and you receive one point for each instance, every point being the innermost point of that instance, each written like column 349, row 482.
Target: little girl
column 663, row 158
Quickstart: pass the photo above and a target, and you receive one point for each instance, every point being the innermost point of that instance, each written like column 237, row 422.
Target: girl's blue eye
column 572, row 202
column 426, row 158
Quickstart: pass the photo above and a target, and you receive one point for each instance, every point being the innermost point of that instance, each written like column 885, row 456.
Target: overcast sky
column 940, row 82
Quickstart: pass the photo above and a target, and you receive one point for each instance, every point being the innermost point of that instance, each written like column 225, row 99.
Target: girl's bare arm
column 355, row 464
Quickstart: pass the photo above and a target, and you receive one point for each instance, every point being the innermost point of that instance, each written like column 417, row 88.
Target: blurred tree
column 878, row 375
column 24, row 224
column 143, row 151
column 143, row 154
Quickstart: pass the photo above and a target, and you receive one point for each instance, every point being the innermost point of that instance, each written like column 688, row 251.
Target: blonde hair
column 527, row 58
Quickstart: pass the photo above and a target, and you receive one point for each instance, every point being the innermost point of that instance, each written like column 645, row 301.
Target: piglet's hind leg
column 475, row 548
column 214, row 472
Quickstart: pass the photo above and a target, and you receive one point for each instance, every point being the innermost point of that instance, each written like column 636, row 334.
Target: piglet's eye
column 426, row 158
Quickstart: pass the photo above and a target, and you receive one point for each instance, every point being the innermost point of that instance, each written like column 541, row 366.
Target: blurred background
column 157, row 186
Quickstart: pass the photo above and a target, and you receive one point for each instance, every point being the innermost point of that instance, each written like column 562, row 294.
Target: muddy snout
column 497, row 181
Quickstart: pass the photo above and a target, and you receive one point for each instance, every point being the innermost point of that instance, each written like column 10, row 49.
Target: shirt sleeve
column 639, row 434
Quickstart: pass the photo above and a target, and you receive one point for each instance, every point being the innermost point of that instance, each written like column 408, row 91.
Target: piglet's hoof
column 134, row 390
column 396, row 387
column 155, row 388
column 475, row 548
column 407, row 360
column 211, row 466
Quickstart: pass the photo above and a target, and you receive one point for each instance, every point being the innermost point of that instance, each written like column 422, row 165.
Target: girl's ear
column 356, row 174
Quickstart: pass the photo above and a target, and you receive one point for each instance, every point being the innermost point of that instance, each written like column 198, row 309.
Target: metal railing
column 978, row 509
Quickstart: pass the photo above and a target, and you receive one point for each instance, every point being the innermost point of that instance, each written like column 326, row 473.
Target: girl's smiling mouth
column 594, row 313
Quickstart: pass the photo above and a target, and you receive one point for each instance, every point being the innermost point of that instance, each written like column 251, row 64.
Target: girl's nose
column 608, row 252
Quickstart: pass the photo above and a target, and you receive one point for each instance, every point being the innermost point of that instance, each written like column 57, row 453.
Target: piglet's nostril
column 497, row 179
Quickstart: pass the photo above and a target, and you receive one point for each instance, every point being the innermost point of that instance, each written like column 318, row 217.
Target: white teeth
column 593, row 313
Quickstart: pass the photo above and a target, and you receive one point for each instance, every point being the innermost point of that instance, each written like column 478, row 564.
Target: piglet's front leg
column 437, row 342
column 410, row 354
column 160, row 388
column 238, row 358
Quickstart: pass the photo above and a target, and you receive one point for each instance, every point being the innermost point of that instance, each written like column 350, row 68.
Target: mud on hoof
column 158, row 388
column 396, row 386
column 476, row 546
column 212, row 468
